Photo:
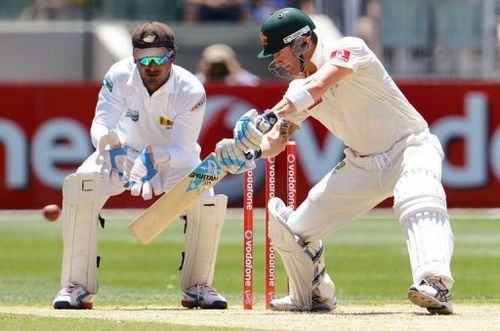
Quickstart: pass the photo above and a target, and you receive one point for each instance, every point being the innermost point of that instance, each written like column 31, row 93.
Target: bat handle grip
column 265, row 122
column 256, row 154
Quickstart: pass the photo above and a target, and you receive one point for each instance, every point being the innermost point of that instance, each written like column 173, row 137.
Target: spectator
column 216, row 11
column 324, row 25
column 53, row 9
column 368, row 27
column 218, row 63
column 261, row 9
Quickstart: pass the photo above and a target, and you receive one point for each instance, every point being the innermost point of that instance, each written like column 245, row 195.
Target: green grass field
column 367, row 260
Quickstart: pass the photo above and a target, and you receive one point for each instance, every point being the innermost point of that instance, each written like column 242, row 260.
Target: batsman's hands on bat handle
column 246, row 135
column 143, row 179
column 265, row 122
column 112, row 156
column 232, row 159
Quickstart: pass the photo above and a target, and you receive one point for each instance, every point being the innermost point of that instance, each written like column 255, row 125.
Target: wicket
column 270, row 191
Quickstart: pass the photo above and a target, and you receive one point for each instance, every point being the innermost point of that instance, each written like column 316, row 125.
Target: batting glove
column 232, row 159
column 246, row 135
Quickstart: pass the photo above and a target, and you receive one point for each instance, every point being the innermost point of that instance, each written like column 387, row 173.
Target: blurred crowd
column 187, row 11
column 414, row 37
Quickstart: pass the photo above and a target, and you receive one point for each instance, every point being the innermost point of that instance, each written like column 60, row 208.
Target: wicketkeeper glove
column 112, row 156
column 143, row 173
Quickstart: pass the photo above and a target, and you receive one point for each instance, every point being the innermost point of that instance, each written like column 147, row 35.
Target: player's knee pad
column 304, row 262
column 203, row 229
column 82, row 201
column 418, row 190
column 420, row 203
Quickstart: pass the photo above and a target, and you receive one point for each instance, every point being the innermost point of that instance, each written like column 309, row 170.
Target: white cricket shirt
column 170, row 118
column 366, row 109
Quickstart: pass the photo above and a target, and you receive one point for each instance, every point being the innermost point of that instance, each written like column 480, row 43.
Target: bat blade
column 154, row 220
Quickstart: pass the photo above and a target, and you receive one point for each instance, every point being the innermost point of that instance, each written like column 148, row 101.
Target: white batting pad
column 420, row 203
column 430, row 245
column 82, row 201
column 298, row 264
column 203, row 228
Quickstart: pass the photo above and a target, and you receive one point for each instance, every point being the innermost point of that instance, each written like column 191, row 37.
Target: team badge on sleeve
column 108, row 83
column 341, row 55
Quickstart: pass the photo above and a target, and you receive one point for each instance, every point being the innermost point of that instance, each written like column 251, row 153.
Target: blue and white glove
column 142, row 176
column 232, row 159
column 112, row 156
column 247, row 137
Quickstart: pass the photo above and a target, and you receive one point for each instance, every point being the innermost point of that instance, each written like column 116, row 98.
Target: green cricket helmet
column 281, row 28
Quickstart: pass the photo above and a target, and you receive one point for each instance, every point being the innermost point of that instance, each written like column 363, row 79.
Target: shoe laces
column 443, row 294
column 202, row 289
column 70, row 288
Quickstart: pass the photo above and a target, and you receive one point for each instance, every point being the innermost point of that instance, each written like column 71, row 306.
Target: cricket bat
column 152, row 221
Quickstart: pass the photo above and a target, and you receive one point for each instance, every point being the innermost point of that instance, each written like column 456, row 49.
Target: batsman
column 389, row 152
column 145, row 131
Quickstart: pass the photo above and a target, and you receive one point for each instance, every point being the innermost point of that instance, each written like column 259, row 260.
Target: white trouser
column 358, row 184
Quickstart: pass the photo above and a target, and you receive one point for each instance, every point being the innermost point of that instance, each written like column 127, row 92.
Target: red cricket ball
column 51, row 212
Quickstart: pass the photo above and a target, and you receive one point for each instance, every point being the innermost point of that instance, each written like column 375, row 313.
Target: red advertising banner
column 44, row 136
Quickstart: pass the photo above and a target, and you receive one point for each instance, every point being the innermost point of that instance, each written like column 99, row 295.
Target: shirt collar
column 317, row 57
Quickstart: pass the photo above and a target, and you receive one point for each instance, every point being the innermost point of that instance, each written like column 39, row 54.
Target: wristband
column 300, row 97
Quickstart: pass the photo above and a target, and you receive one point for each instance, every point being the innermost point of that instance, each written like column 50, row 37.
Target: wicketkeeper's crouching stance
column 389, row 152
column 145, row 131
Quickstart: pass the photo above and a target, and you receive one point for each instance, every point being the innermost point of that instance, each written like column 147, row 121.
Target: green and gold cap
column 281, row 28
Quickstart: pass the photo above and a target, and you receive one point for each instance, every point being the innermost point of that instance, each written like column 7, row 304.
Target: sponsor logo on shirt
column 108, row 84
column 341, row 55
column 200, row 103
column 166, row 122
column 133, row 114
column 339, row 166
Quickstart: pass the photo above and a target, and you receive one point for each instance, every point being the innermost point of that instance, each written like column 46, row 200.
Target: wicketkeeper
column 145, row 130
column 389, row 152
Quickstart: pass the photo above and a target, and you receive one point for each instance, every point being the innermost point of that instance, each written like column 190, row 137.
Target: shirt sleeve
column 350, row 52
column 109, row 109
column 187, row 128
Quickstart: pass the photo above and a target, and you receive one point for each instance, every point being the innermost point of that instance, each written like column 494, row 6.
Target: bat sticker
column 204, row 175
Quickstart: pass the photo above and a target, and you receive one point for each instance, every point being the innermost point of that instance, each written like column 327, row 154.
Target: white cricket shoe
column 432, row 295
column 323, row 305
column 73, row 296
column 203, row 296
column 319, row 305
column 286, row 304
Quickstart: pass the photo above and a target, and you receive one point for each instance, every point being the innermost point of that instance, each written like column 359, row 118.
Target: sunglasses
column 159, row 60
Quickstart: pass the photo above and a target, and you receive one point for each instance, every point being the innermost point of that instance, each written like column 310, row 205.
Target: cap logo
column 149, row 37
column 288, row 39
column 264, row 40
